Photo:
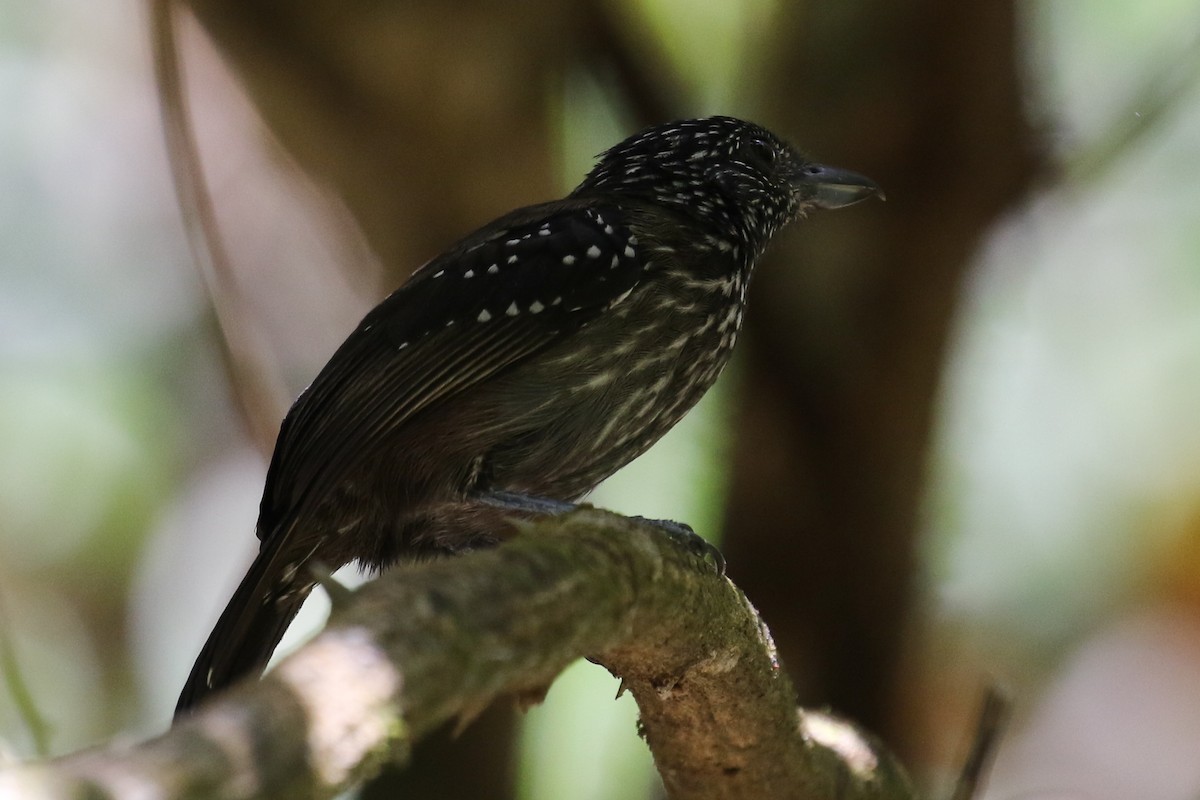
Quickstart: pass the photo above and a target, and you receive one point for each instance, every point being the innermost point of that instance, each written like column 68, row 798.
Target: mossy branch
column 427, row 643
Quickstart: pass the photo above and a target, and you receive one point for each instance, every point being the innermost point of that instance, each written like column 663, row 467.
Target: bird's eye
column 759, row 153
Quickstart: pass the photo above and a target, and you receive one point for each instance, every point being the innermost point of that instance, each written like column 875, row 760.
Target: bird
column 520, row 368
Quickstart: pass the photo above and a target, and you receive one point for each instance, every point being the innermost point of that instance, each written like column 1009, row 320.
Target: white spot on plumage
column 484, row 315
column 469, row 273
column 511, row 260
column 593, row 252
column 439, row 273
column 615, row 261
column 402, row 345
column 628, row 251
column 536, row 307
column 494, row 268
column 513, row 242
column 568, row 260
column 623, row 349
column 512, row 310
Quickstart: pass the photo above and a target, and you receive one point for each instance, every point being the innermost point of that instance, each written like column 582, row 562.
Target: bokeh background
column 960, row 443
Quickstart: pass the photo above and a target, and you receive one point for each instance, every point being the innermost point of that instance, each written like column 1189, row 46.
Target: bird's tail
column 251, row 625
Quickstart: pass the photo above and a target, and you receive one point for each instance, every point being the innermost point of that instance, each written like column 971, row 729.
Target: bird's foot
column 683, row 535
column 678, row 532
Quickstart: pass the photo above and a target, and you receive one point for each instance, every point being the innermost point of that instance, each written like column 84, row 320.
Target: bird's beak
column 830, row 187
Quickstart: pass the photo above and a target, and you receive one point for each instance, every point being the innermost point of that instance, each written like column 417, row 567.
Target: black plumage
column 533, row 359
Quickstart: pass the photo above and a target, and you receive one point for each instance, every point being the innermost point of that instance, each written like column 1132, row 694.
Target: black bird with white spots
column 516, row 371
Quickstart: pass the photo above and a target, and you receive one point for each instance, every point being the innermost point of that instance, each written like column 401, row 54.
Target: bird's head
column 733, row 176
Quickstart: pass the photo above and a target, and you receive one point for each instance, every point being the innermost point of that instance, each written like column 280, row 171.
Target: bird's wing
column 500, row 296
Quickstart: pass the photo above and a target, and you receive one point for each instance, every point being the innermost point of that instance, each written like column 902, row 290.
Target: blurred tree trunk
column 839, row 373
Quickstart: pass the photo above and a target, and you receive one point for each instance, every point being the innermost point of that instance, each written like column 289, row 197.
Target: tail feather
column 249, row 628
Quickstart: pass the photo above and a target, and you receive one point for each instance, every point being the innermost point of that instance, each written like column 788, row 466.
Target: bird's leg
column 525, row 502
column 678, row 532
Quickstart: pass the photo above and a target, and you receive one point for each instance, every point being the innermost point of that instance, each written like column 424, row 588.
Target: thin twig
column 254, row 380
column 18, row 689
column 993, row 717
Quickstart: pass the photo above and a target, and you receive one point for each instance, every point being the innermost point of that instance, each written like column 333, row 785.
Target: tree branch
column 430, row 642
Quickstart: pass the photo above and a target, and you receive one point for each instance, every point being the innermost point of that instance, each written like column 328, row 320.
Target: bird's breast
column 625, row 379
